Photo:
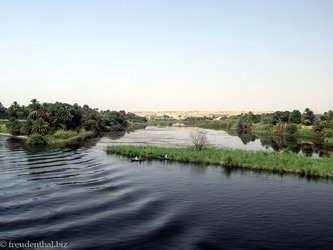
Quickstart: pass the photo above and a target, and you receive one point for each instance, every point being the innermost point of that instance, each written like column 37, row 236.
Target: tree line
column 282, row 118
column 46, row 118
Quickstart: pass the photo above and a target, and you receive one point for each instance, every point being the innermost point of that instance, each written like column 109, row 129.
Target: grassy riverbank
column 3, row 127
column 266, row 129
column 60, row 137
column 282, row 162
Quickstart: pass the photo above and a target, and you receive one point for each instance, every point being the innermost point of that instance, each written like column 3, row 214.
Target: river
column 91, row 200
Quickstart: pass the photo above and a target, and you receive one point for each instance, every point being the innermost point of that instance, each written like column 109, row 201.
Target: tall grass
column 283, row 162
column 69, row 136
column 307, row 132
column 3, row 121
column 261, row 128
column 66, row 137
column 3, row 129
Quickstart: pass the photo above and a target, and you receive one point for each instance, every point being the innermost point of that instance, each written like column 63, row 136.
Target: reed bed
column 280, row 162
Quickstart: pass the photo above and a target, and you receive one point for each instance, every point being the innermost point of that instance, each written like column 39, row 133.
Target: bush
column 284, row 128
column 262, row 127
column 3, row 129
column 291, row 128
column 328, row 133
column 279, row 128
column 40, row 126
column 64, row 134
column 328, row 141
column 295, row 117
column 199, row 139
column 14, row 127
column 37, row 139
column 26, row 127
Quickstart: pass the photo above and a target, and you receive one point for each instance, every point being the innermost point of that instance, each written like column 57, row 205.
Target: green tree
column 327, row 116
column 277, row 117
column 3, row 112
column 40, row 126
column 14, row 126
column 135, row 118
column 285, row 116
column 46, row 118
column 13, row 110
column 244, row 123
column 308, row 117
column 295, row 117
column 23, row 112
column 26, row 127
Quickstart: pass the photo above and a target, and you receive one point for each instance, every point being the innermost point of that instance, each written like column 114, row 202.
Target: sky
column 171, row 55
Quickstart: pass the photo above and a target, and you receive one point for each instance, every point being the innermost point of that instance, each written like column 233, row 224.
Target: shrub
column 37, row 139
column 279, row 128
column 328, row 141
column 26, row 127
column 328, row 133
column 14, row 127
column 3, row 129
column 262, row 127
column 64, row 134
column 283, row 128
column 308, row 117
column 199, row 139
column 295, row 117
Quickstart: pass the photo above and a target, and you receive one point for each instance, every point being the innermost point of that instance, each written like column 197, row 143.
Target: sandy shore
column 14, row 136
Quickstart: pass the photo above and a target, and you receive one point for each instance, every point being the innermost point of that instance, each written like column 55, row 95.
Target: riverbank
column 61, row 137
column 230, row 125
column 267, row 129
column 279, row 162
column 14, row 136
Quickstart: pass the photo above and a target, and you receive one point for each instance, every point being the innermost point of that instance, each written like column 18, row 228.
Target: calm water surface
column 181, row 136
column 92, row 200
column 178, row 136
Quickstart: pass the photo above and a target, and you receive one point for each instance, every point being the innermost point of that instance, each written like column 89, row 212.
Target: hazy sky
column 168, row 55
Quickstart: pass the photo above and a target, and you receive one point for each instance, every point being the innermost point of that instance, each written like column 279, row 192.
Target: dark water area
column 92, row 200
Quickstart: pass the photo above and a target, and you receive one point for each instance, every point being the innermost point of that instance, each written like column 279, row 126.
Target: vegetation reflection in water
column 300, row 145
column 180, row 136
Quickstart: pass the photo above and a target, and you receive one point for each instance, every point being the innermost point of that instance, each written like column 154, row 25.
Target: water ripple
column 95, row 201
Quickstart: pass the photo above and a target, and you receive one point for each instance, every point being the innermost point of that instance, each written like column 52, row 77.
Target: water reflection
column 180, row 137
column 311, row 147
column 97, row 201
column 119, row 134
column 247, row 137
column 229, row 172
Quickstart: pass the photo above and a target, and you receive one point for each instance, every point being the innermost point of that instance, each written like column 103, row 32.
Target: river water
column 91, row 200
column 181, row 136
